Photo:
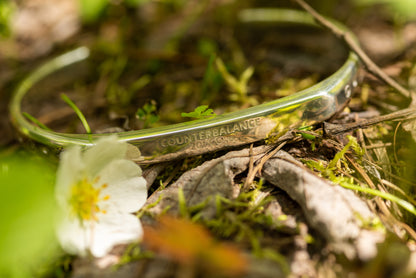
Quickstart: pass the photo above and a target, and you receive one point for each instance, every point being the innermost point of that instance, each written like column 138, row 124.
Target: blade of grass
column 387, row 196
column 78, row 112
column 35, row 121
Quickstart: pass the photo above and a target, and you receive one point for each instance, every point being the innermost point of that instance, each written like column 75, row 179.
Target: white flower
column 98, row 191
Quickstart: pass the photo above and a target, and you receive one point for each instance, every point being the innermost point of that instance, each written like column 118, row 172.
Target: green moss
column 133, row 253
column 242, row 219
column 332, row 172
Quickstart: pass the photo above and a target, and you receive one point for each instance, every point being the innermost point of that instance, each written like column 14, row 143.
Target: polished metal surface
column 307, row 107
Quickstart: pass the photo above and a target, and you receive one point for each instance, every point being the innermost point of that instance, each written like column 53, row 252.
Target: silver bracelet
column 307, row 107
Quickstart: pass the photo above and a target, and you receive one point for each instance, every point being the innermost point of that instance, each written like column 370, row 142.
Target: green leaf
column 400, row 9
column 147, row 114
column 200, row 112
column 238, row 87
column 91, row 10
column 7, row 8
column 27, row 214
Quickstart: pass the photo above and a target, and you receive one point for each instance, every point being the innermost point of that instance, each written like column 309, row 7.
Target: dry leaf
column 191, row 244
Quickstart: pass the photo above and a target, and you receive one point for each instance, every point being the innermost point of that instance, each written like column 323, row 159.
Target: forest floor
column 296, row 209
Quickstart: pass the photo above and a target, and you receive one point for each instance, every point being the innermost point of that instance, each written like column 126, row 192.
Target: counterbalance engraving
column 211, row 136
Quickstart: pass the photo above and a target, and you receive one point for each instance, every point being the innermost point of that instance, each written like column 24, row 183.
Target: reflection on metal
column 307, row 107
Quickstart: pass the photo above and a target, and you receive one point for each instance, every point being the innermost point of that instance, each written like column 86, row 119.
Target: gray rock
column 337, row 213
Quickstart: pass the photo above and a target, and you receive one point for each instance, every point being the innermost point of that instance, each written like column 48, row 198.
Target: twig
column 389, row 217
column 215, row 162
column 151, row 173
column 334, row 129
column 252, row 173
column 350, row 40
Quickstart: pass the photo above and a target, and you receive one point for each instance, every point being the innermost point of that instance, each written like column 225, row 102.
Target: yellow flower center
column 85, row 199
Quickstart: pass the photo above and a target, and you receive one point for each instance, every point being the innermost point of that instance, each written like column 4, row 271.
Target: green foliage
column 339, row 157
column 147, row 114
column 212, row 81
column 200, row 112
column 331, row 172
column 207, row 47
column 403, row 10
column 243, row 218
column 183, row 209
column 120, row 96
column 27, row 213
column 35, row 121
column 307, row 133
column 238, row 87
column 58, row 266
column 91, row 10
column 136, row 2
column 387, row 196
column 145, row 209
column 6, row 11
column 292, row 85
column 111, row 70
column 393, row 257
column 78, row 112
column 133, row 253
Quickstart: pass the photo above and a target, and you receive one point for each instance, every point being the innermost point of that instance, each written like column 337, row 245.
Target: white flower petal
column 73, row 237
column 119, row 170
column 125, row 188
column 125, row 196
column 133, row 152
column 106, row 150
column 70, row 170
column 99, row 237
column 115, row 229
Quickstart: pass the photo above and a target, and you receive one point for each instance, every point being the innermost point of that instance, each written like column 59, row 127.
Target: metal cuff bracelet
column 306, row 107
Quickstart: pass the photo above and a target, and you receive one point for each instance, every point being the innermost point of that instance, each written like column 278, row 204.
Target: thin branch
column 252, row 173
column 350, row 40
column 404, row 114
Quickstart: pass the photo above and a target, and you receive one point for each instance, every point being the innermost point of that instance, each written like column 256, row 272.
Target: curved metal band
column 307, row 107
